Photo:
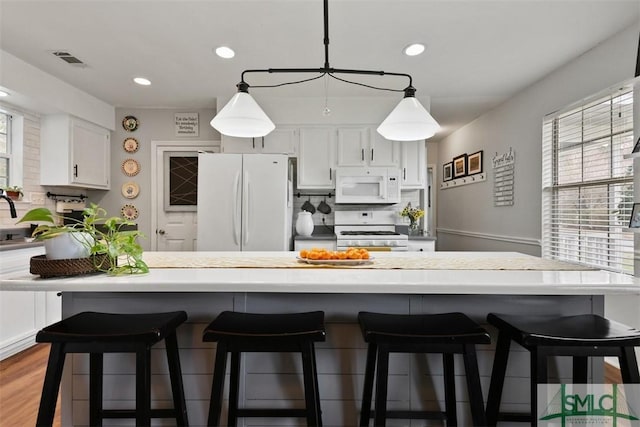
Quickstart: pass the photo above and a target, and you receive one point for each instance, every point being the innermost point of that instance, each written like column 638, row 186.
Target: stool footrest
column 263, row 412
column 513, row 416
column 131, row 413
column 414, row 415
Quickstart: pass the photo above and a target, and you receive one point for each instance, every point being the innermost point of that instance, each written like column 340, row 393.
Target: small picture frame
column 474, row 163
column 460, row 166
column 634, row 221
column 447, row 172
column 636, row 148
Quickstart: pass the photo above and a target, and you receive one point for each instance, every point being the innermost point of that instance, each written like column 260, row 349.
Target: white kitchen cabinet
column 363, row 146
column 316, row 158
column 329, row 245
column 74, row 153
column 413, row 164
column 421, row 245
column 279, row 141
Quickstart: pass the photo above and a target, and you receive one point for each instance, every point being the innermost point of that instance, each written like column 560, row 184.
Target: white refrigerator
column 244, row 202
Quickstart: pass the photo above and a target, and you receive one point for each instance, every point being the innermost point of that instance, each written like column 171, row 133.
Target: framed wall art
column 474, row 163
column 460, row 166
column 447, row 171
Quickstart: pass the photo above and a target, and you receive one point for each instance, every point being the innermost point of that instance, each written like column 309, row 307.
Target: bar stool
column 581, row 336
column 99, row 333
column 446, row 333
column 236, row 333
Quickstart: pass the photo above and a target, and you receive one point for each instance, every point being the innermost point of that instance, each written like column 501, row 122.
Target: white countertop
column 337, row 281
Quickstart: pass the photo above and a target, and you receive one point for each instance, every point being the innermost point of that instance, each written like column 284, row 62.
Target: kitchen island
column 273, row 380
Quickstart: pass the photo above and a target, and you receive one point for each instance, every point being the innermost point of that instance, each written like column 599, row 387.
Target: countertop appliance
column 367, row 185
column 371, row 229
column 244, row 202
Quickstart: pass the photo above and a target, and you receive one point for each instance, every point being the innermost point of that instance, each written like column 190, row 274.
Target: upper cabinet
column 317, row 158
column 279, row 141
column 363, row 146
column 74, row 153
column 413, row 164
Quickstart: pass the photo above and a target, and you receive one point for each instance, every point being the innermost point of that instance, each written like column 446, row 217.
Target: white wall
column 517, row 123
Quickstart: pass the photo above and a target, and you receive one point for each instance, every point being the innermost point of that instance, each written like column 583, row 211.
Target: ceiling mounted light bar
column 243, row 117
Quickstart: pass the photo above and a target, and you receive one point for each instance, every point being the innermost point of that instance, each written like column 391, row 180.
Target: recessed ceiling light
column 3, row 94
column 414, row 49
column 225, row 52
column 142, row 81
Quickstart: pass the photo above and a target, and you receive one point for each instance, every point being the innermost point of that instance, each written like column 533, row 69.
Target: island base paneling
column 274, row 380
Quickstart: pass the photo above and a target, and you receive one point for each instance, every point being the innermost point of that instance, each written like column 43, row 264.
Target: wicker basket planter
column 44, row 267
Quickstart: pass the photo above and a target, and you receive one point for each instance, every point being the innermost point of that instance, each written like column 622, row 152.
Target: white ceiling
column 478, row 52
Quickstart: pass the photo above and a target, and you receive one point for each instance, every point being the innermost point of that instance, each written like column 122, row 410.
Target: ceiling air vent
column 69, row 58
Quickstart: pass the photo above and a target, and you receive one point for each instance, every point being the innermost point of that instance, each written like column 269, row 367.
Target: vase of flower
column 413, row 214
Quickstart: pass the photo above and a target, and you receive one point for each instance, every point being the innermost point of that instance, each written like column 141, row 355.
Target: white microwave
column 375, row 185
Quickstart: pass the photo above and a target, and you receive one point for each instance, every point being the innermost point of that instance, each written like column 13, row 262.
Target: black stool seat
column 106, row 327
column 581, row 330
column 427, row 328
column 269, row 326
column 446, row 333
column 581, row 337
column 237, row 332
column 99, row 333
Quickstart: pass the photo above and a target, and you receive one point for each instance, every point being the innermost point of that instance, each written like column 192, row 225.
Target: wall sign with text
column 187, row 124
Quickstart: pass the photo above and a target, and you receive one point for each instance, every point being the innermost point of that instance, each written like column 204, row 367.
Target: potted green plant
column 13, row 191
column 96, row 234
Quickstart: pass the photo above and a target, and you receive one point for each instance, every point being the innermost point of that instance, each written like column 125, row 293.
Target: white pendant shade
column 409, row 121
column 242, row 117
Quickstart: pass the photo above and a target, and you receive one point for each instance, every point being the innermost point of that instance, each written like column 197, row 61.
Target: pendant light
column 243, row 117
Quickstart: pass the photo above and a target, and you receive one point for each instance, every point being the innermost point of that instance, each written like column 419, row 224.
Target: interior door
column 173, row 230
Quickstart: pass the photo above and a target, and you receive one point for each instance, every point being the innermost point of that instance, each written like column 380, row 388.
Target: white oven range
column 373, row 230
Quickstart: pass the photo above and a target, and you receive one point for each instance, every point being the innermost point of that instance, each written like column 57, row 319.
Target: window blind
column 5, row 148
column 587, row 184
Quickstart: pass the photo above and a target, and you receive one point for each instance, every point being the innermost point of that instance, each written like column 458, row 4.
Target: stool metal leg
column 175, row 374
column 450, row 389
column 234, row 384
column 143, row 386
column 629, row 366
column 51, row 385
column 367, row 391
column 580, row 369
column 497, row 378
column 95, row 389
column 310, row 392
column 217, row 387
column 381, row 386
column 473, row 385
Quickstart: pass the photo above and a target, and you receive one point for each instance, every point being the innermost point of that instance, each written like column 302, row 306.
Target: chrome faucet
column 12, row 206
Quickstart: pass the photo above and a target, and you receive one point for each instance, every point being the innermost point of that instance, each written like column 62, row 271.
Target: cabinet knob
column 161, row 232
column 75, row 171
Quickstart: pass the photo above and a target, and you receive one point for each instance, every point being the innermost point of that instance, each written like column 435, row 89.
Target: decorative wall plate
column 130, row 145
column 130, row 167
column 130, row 190
column 129, row 212
column 130, row 123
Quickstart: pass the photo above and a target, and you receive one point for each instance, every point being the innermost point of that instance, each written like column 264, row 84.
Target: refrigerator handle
column 236, row 210
column 246, row 211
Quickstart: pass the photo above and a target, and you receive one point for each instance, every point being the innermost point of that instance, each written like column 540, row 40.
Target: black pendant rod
column 326, row 69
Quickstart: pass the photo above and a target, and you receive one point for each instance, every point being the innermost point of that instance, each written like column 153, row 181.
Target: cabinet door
column 279, row 141
column 316, row 158
column 90, row 155
column 383, row 152
column 233, row 144
column 353, row 146
column 414, row 163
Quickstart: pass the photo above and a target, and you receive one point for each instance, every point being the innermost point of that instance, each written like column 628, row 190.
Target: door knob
column 161, row 232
